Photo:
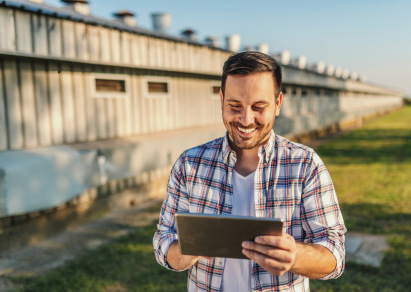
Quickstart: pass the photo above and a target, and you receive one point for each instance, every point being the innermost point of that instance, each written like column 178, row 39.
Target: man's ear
column 278, row 103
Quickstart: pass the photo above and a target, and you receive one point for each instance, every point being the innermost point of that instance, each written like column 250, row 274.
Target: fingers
column 271, row 265
column 278, row 254
column 285, row 241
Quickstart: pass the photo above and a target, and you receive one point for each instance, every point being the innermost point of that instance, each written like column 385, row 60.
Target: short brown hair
column 246, row 63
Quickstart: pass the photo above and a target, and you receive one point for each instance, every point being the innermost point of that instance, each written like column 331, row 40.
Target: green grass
column 371, row 170
column 127, row 264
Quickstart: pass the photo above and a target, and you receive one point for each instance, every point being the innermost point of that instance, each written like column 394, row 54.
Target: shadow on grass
column 355, row 147
column 127, row 264
column 375, row 219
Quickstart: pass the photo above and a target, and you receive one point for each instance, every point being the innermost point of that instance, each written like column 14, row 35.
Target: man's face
column 249, row 109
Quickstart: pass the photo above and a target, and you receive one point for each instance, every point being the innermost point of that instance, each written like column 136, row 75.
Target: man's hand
column 179, row 261
column 280, row 254
column 276, row 254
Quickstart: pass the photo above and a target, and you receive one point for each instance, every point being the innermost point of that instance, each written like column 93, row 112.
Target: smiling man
column 254, row 172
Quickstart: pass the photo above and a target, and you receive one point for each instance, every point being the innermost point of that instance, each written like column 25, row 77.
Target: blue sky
column 370, row 37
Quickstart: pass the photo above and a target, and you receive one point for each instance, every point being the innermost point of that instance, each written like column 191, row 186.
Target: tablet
column 221, row 235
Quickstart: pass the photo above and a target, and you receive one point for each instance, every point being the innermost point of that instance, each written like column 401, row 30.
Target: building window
column 304, row 92
column 109, row 85
column 215, row 89
column 156, row 87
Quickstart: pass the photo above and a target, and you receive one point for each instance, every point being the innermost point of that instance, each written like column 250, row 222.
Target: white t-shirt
column 237, row 272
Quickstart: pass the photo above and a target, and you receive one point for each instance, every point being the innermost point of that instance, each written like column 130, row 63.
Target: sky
column 370, row 37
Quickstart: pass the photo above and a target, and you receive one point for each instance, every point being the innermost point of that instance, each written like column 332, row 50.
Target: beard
column 238, row 141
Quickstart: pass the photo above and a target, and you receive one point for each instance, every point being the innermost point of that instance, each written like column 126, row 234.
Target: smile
column 246, row 131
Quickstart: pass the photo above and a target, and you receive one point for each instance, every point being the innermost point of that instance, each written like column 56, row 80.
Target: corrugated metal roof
column 65, row 13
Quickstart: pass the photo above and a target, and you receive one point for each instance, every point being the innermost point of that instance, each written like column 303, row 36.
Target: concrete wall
column 45, row 177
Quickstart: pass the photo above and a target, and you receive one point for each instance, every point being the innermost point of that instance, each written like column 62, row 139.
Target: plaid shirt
column 291, row 183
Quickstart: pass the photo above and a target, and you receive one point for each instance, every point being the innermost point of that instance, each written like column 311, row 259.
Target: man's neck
column 247, row 161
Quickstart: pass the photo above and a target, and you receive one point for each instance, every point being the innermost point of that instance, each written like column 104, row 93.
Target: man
column 253, row 172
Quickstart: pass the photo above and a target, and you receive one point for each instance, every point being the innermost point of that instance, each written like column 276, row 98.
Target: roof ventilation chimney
column 338, row 72
column 189, row 35
column 263, row 48
column 79, row 6
column 300, row 62
column 320, row 67
column 126, row 17
column 161, row 22
column 285, row 57
column 345, row 74
column 212, row 41
column 363, row 78
column 330, row 70
column 354, row 76
column 233, row 42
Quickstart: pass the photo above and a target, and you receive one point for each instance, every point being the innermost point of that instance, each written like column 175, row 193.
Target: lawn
column 371, row 170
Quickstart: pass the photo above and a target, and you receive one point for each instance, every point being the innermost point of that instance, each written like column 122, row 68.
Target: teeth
column 246, row 130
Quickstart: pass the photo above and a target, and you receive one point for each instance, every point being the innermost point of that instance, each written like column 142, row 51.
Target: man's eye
column 236, row 107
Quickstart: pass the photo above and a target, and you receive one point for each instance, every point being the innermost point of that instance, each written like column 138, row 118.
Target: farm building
column 90, row 106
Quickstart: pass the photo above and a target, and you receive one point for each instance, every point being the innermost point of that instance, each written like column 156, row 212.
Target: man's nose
column 247, row 117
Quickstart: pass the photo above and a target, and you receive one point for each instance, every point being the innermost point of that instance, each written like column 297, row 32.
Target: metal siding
column 68, row 104
column 128, row 120
column 54, row 36
column 101, row 117
column 119, row 113
column 115, row 45
column 23, row 27
column 56, row 113
column 111, row 117
column 150, row 59
column 144, row 48
column 166, row 53
column 105, row 44
column 7, row 30
column 14, row 121
column 94, row 43
column 80, row 104
column 3, row 125
column 143, row 109
column 172, row 54
column 69, row 39
column 135, row 50
column 81, row 33
column 28, row 105
column 125, row 47
column 39, row 29
column 160, row 54
column 91, row 116
column 179, row 104
column 135, row 104
column 42, row 104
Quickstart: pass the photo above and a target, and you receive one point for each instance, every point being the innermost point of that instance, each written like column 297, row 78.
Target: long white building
column 90, row 106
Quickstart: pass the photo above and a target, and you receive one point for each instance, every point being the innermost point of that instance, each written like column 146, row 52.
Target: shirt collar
column 266, row 150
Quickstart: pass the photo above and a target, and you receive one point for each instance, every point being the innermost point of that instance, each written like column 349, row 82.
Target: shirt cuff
column 164, row 245
column 338, row 251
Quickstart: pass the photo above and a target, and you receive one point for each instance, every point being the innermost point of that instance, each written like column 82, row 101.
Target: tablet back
column 221, row 235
